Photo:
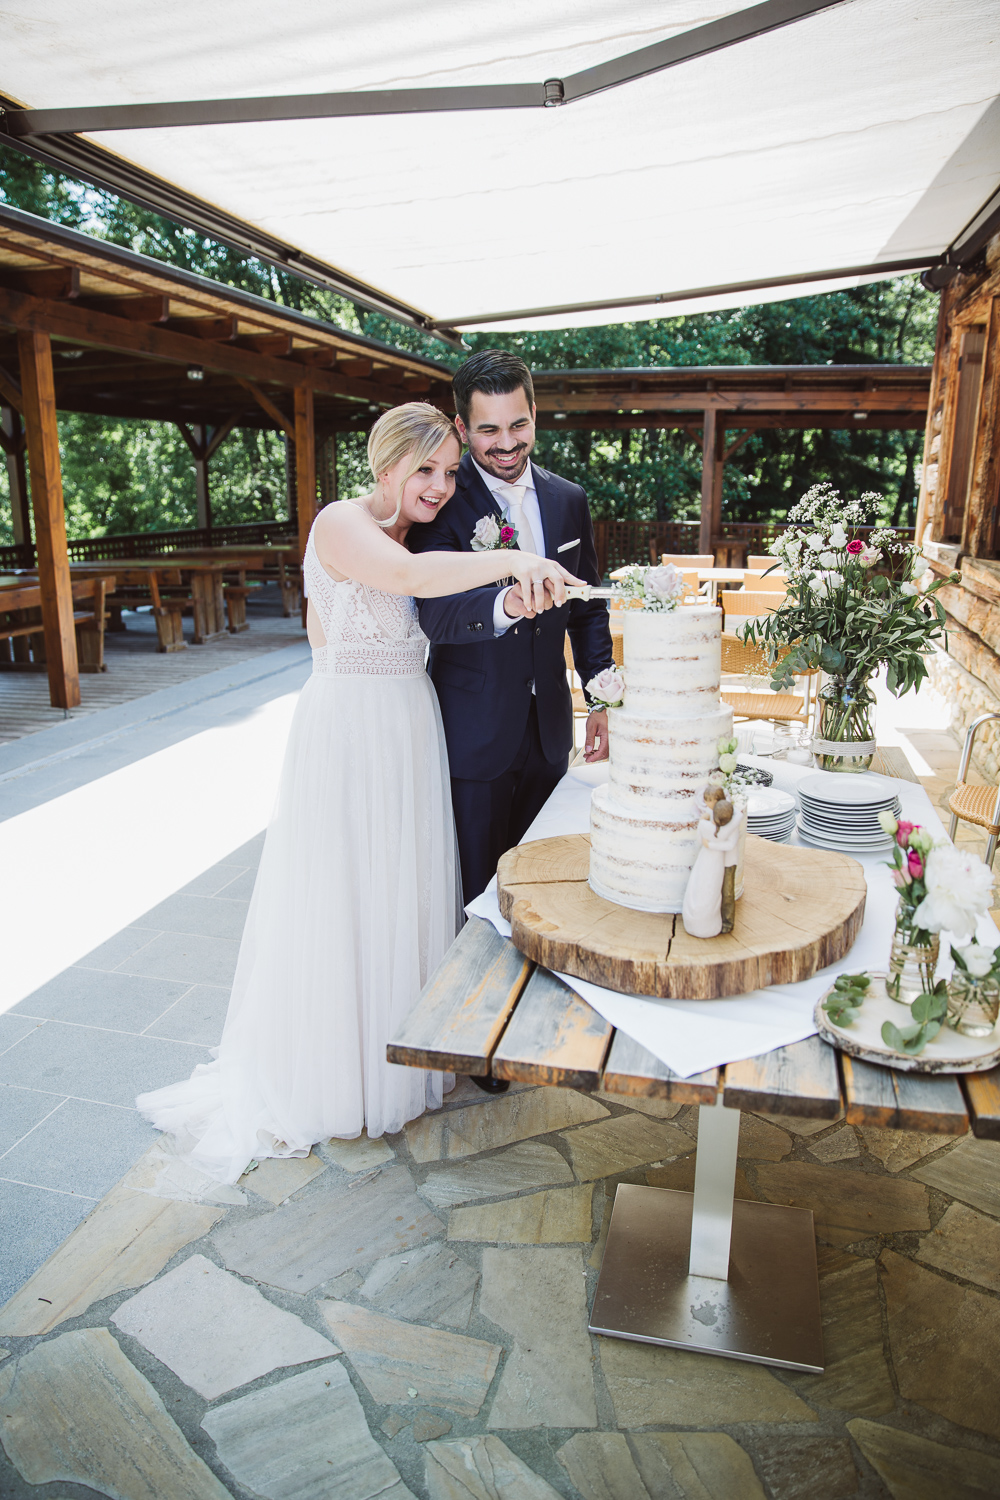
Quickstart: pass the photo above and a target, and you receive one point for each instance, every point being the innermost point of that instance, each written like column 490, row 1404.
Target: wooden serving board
column 802, row 909
column 948, row 1052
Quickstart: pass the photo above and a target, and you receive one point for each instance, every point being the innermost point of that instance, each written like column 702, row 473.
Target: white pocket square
column 567, row 545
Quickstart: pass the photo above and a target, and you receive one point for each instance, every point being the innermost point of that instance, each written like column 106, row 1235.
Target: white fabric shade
column 865, row 134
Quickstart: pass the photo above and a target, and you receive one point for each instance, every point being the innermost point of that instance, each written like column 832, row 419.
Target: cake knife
column 589, row 591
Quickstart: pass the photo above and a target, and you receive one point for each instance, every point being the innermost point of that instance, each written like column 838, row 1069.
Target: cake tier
column 640, row 859
column 673, row 660
column 659, row 763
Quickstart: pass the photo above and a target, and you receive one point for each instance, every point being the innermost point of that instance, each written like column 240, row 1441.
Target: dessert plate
column 847, row 790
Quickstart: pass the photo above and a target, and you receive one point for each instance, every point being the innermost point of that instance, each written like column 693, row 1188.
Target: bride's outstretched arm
column 349, row 544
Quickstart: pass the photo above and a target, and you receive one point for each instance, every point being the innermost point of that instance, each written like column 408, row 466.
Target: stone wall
column 967, row 696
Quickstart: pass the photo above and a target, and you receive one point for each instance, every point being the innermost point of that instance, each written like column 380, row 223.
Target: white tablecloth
column 691, row 1036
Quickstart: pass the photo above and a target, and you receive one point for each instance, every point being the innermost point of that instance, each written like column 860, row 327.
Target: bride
column 357, row 898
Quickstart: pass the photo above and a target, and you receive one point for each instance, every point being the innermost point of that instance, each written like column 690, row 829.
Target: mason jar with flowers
column 941, row 889
column 843, row 617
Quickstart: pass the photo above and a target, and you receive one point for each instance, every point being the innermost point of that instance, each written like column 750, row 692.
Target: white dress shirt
column 532, row 514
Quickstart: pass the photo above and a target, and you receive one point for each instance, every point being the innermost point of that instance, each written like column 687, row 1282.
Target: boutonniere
column 489, row 535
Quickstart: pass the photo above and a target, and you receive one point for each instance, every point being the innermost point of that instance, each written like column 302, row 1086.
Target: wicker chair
column 741, row 660
column 765, row 583
column 975, row 804
column 761, row 564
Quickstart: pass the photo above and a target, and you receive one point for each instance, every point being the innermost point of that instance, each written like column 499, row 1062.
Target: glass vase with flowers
column 852, row 606
column 941, row 889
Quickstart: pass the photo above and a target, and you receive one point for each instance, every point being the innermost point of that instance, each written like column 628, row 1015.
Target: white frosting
column 663, row 743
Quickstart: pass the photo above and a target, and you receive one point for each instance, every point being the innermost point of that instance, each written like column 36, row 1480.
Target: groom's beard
column 510, row 473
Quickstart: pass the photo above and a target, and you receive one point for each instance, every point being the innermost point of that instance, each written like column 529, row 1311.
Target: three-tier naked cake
column 663, row 745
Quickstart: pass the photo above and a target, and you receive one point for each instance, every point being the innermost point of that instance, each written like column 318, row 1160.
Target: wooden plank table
column 21, row 596
column 488, row 1010
column 171, row 584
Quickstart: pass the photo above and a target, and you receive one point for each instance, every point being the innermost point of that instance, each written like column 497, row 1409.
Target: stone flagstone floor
column 407, row 1317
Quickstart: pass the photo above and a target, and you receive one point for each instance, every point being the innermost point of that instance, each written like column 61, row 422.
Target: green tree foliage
column 124, row 475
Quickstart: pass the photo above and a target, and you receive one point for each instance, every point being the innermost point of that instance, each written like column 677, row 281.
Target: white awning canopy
column 860, row 138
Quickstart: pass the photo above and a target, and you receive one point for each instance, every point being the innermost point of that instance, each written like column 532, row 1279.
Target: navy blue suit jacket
column 483, row 680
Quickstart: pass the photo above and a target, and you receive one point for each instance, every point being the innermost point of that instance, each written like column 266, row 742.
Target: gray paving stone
column 213, row 880
column 13, row 1028
column 970, row 1172
column 650, row 1386
column 117, row 949
column 914, row 1468
column 405, row 1362
column 326, row 1449
column 190, row 957
column 209, row 916
column 431, row 1284
column 198, row 1016
column 123, row 1243
column 498, row 1122
column 529, row 1164
column 163, row 1172
column 80, row 1148
column 239, row 889
column 801, row 1468
column 248, row 854
column 214, row 1331
column 20, row 1111
column 557, row 1216
column 359, row 1155
column 35, row 1222
column 965, row 1243
column 945, row 1342
column 76, row 1411
column 277, row 1178
column 333, row 1229
column 481, row 1468
column 89, row 997
column 539, row 1297
column 625, row 1142
column 107, row 1066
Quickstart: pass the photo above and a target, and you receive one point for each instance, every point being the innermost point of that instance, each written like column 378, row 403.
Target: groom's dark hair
column 495, row 372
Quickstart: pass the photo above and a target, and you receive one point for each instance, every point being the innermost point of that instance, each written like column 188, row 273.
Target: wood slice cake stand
column 801, row 910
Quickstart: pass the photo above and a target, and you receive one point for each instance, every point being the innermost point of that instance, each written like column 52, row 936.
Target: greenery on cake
column 656, row 589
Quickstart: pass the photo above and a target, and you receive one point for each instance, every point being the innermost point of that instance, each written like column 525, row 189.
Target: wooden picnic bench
column 172, row 585
column 22, row 633
column 487, row 1010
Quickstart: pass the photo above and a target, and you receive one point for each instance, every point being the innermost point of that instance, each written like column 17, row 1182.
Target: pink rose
column 900, row 879
column 903, row 831
column 506, row 533
column 914, row 863
column 855, row 547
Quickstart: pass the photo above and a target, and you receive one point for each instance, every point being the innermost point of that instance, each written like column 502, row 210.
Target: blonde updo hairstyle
column 415, row 430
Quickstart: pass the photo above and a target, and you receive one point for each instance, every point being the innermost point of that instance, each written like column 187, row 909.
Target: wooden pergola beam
column 736, row 403
column 38, row 386
column 266, row 404
column 709, row 460
column 80, row 325
column 14, row 443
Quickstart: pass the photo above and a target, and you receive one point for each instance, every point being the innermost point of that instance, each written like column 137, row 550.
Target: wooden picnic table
column 172, row 583
column 282, row 557
column 488, row 1010
column 21, row 621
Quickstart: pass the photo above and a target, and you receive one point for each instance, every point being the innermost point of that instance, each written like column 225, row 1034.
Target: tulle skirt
column 356, row 902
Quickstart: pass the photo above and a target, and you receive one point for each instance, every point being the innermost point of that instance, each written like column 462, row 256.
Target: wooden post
column 204, row 501
column 305, row 463
column 38, row 386
column 717, row 473
column 13, row 446
column 709, row 451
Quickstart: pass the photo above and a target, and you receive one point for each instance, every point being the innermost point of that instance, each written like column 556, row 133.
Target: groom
column 500, row 670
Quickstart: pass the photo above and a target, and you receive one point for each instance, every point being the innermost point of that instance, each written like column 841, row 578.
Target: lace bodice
column 368, row 633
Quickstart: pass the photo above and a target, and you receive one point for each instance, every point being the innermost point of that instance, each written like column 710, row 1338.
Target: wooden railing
column 149, row 543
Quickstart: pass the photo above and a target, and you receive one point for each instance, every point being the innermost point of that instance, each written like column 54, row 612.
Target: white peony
column 486, row 535
column 607, row 687
column 665, row 582
column 958, row 887
column 978, row 959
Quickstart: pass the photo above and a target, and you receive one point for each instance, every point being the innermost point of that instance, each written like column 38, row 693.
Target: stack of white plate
column 839, row 810
column 770, row 813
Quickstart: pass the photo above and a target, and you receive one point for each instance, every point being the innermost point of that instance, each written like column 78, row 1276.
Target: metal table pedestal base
column 768, row 1309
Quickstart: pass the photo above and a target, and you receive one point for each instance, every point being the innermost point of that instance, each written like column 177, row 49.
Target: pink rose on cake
column 608, row 688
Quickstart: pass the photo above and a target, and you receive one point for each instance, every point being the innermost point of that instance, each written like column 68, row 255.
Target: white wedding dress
column 356, row 902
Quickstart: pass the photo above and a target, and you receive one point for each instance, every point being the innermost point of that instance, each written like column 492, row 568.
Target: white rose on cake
column 607, row 688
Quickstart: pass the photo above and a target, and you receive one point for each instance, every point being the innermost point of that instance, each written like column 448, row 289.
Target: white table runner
column 691, row 1036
